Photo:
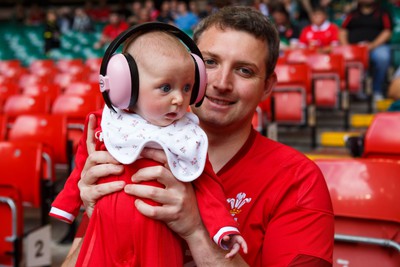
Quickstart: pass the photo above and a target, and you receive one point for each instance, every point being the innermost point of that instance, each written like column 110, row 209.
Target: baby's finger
column 234, row 251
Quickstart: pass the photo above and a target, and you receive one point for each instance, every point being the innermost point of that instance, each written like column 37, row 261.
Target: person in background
column 370, row 25
column 289, row 33
column 52, row 32
column 82, row 22
column 321, row 34
column 277, row 195
column 165, row 14
column 115, row 26
column 185, row 19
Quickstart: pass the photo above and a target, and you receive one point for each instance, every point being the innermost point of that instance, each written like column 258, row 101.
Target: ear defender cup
column 199, row 88
column 122, row 74
column 119, row 75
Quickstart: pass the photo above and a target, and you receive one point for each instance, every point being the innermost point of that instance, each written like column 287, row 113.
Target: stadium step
column 336, row 139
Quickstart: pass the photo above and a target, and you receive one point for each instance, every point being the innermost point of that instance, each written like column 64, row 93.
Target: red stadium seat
column 22, row 167
column 47, row 129
column 20, row 104
column 329, row 73
column 365, row 199
column 357, row 64
column 75, row 108
column 64, row 79
column 51, row 90
column 83, row 88
column 294, row 90
column 382, row 138
column 65, row 65
column 11, row 230
column 6, row 65
column 7, row 90
column 3, row 127
column 94, row 64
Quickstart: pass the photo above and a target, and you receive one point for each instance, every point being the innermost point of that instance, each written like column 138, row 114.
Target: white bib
column 184, row 142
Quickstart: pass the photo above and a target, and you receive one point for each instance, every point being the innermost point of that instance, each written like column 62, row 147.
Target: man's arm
column 73, row 253
column 381, row 39
column 343, row 36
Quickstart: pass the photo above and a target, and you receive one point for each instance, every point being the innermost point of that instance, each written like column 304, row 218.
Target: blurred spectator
column 153, row 12
column 52, row 32
column 321, row 34
column 101, row 11
column 82, row 22
column 111, row 30
column 263, row 6
column 394, row 91
column 19, row 13
column 288, row 32
column 292, row 7
column 305, row 9
column 35, row 15
column 143, row 16
column 370, row 25
column 185, row 19
column 65, row 19
column 135, row 10
column 207, row 10
column 165, row 13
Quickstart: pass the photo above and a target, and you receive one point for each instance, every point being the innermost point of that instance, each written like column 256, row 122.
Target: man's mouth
column 219, row 101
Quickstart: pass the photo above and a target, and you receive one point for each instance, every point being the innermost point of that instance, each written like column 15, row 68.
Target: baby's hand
column 234, row 243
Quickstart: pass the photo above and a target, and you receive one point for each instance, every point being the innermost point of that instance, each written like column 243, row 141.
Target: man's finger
column 154, row 154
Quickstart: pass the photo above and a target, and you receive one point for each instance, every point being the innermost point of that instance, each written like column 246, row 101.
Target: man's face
column 236, row 72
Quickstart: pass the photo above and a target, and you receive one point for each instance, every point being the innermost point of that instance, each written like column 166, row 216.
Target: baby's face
column 166, row 83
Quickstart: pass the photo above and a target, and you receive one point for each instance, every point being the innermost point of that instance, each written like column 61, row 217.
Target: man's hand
column 98, row 164
column 178, row 201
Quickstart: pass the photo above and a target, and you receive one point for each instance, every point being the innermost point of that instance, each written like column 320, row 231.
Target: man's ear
column 269, row 84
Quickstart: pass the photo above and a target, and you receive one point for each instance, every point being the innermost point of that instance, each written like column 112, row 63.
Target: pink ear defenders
column 119, row 74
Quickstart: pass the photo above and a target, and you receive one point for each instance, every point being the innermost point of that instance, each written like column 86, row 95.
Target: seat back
column 48, row 129
column 357, row 63
column 21, row 167
column 382, row 138
column 20, row 104
column 51, row 90
column 7, row 89
column 75, row 108
column 365, row 199
column 293, row 89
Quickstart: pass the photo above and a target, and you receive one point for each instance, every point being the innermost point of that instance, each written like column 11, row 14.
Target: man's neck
column 223, row 146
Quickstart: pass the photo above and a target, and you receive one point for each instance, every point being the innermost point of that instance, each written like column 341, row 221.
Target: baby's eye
column 187, row 88
column 165, row 88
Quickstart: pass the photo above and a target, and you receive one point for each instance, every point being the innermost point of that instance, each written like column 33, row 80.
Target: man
column 278, row 197
column 370, row 25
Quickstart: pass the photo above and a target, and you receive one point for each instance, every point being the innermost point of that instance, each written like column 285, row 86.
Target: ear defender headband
column 119, row 74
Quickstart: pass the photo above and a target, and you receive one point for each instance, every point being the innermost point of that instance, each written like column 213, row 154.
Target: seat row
column 363, row 190
column 309, row 81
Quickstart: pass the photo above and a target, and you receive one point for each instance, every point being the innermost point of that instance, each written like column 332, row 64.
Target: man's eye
column 209, row 62
column 165, row 88
column 246, row 71
column 187, row 88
